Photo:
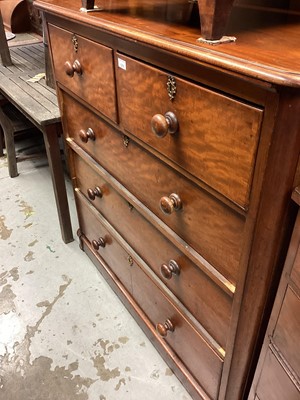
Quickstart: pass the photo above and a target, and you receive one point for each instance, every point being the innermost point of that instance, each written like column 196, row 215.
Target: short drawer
column 109, row 249
column 287, row 332
column 203, row 362
column 209, row 304
column 205, row 223
column 217, row 136
column 86, row 68
column 274, row 382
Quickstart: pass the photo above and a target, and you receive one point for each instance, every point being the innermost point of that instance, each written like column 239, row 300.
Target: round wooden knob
column 163, row 124
column 168, row 270
column 163, row 329
column 170, row 204
column 98, row 243
column 86, row 135
column 93, row 193
column 77, row 67
column 70, row 68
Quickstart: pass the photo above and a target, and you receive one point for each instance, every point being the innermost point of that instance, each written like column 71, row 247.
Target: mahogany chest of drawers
column 182, row 160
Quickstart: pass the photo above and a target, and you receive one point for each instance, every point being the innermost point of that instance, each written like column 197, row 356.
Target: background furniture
column 183, row 158
column 33, row 104
column 278, row 372
column 15, row 15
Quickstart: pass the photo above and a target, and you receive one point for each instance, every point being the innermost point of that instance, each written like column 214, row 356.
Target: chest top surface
column 267, row 45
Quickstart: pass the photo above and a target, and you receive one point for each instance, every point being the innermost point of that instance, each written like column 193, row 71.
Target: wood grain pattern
column 112, row 253
column 185, row 341
column 287, row 331
column 236, row 221
column 210, row 227
column 157, row 307
column 202, row 297
column 217, row 137
column 257, row 53
column 97, row 79
column 275, row 383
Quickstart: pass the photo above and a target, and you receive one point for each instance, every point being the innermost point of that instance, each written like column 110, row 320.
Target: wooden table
column 38, row 103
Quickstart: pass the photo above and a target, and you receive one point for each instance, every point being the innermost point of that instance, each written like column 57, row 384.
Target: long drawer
column 206, row 224
column 86, row 68
column 209, row 304
column 216, row 138
column 203, row 362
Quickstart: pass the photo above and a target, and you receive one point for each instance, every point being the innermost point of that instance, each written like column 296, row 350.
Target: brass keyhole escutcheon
column 171, row 87
column 75, row 43
column 130, row 260
column 126, row 140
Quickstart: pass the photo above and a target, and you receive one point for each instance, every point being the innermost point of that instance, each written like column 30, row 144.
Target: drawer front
column 287, row 332
column 274, row 383
column 202, row 297
column 209, row 226
column 217, row 136
column 113, row 254
column 96, row 83
column 195, row 353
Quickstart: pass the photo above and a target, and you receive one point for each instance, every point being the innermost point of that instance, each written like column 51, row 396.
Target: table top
column 267, row 45
column 34, row 99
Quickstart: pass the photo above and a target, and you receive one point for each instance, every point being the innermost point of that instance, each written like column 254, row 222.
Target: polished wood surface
column 287, row 332
column 278, row 370
column 204, row 223
column 267, row 45
column 185, row 340
column 216, row 138
column 275, row 383
column 79, row 63
column 214, row 16
column 200, row 160
column 209, row 304
column 112, row 252
column 157, row 307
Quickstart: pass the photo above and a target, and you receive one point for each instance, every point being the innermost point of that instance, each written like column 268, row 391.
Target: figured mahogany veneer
column 206, row 224
column 202, row 360
column 217, row 136
column 85, row 68
column 192, row 286
column 183, row 158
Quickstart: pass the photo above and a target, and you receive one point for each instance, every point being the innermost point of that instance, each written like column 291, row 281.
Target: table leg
column 50, row 133
column 9, row 144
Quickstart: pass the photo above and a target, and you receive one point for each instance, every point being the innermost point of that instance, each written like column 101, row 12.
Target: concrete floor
column 64, row 335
